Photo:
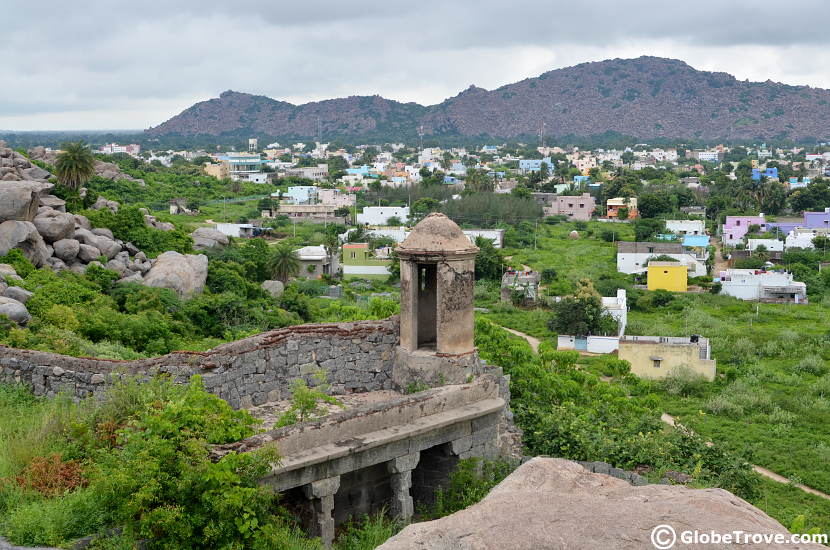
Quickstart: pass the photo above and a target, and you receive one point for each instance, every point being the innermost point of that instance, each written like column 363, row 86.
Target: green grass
column 532, row 321
column 784, row 503
column 764, row 403
column 573, row 259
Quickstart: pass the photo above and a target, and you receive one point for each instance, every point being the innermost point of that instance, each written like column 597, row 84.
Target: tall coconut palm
column 74, row 165
column 284, row 263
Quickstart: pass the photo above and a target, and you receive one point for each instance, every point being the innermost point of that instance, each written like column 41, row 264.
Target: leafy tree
column 489, row 260
column 284, row 263
column 622, row 213
column 75, row 165
column 644, row 229
column 477, row 181
column 651, row 205
column 581, row 314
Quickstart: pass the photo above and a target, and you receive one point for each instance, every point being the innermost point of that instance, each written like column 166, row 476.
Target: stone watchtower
column 437, row 280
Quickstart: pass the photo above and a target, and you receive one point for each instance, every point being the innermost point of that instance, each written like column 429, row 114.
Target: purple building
column 736, row 227
column 816, row 220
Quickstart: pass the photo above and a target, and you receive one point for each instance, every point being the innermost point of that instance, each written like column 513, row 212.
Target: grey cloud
column 100, row 56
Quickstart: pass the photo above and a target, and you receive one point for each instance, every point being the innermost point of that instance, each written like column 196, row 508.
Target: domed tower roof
column 437, row 235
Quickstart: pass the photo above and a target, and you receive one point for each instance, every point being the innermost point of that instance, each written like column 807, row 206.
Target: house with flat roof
column 613, row 207
column 633, row 257
column 735, row 228
column 379, row 215
column 656, row 357
column 316, row 262
column 579, row 207
column 759, row 285
column 686, row 227
column 361, row 263
column 671, row 276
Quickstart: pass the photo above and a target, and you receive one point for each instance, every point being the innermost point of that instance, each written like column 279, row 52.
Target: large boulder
column 53, row 202
column 553, row 503
column 7, row 270
column 35, row 173
column 88, row 253
column 66, row 249
column 205, row 237
column 82, row 222
column 103, row 203
column 14, row 310
column 274, row 288
column 54, row 226
column 19, row 200
column 107, row 246
column 183, row 273
column 23, row 235
column 16, row 293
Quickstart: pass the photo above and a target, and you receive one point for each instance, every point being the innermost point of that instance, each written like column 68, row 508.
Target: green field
column 771, row 401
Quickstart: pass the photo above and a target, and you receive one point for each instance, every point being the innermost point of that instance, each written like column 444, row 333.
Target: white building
column 686, row 227
column 708, row 156
column 634, row 257
column 802, row 237
column 378, row 215
column 336, row 197
column 494, row 235
column 774, row 286
column 235, row 229
column 616, row 307
column 772, row 245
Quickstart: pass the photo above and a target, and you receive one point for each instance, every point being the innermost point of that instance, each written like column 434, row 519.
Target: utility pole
column 535, row 232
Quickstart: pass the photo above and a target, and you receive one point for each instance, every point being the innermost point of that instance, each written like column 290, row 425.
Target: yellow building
column 220, row 170
column 655, row 357
column 673, row 276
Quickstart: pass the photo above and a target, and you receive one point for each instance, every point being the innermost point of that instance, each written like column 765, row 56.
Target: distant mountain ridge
column 646, row 97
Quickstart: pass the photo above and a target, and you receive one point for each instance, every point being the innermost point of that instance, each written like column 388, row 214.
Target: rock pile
column 205, row 237
column 563, row 495
column 106, row 170
column 36, row 222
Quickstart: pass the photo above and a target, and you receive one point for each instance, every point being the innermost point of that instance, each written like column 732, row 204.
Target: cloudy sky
column 100, row 64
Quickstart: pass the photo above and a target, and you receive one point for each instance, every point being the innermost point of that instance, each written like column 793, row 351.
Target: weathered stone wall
column 357, row 357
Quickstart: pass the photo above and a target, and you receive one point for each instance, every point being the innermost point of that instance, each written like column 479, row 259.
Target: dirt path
column 719, row 263
column 669, row 419
column 534, row 342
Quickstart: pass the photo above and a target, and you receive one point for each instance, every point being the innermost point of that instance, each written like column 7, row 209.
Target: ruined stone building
column 391, row 450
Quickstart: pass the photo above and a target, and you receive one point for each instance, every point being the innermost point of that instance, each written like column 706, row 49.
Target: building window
column 354, row 255
column 656, row 363
column 650, row 249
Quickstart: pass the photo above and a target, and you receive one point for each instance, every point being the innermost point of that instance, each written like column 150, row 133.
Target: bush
column 811, row 365
column 685, row 382
column 472, row 479
column 18, row 261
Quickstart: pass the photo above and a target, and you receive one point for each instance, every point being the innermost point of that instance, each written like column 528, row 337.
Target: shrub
column 472, row 479
column 52, row 476
column 811, row 365
column 18, row 261
column 685, row 382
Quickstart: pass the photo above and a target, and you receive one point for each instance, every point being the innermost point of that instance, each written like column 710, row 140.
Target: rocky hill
column 647, row 97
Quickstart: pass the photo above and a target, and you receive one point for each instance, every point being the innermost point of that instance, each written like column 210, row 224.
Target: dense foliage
column 566, row 412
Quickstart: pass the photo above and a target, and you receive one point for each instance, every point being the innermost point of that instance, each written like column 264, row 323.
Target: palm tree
column 284, row 263
column 331, row 242
column 74, row 165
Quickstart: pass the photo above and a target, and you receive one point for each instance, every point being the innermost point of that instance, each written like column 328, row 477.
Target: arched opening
column 432, row 472
column 427, row 305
